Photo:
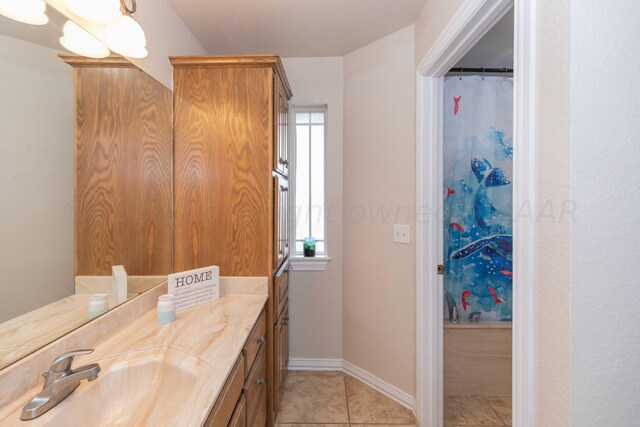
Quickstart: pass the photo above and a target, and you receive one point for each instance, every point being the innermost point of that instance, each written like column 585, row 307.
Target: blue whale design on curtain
column 477, row 211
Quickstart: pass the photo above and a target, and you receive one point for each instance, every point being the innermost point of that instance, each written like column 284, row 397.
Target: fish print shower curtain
column 478, row 164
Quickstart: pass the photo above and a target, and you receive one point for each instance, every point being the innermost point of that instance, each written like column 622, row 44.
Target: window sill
column 318, row 263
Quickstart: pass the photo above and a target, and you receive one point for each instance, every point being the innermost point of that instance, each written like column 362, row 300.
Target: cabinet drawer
column 256, row 341
column 255, row 387
column 281, row 288
column 239, row 417
column 260, row 419
column 228, row 398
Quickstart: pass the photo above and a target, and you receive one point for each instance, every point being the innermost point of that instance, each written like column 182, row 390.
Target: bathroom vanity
column 206, row 368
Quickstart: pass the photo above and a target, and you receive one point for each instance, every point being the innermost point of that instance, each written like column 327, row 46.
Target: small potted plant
column 309, row 247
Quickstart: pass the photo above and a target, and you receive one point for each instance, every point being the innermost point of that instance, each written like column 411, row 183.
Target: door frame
column 472, row 20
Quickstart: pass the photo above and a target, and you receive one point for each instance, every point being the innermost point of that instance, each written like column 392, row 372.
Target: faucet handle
column 63, row 362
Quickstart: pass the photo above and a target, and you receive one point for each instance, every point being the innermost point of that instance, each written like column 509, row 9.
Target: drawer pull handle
column 261, row 381
column 281, row 161
column 261, row 341
column 286, row 320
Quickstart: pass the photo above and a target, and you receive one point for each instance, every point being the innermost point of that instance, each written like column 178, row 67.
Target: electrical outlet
column 402, row 233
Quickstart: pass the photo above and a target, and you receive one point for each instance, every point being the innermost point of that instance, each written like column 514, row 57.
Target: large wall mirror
column 85, row 186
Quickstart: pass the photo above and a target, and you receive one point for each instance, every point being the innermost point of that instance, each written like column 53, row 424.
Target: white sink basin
column 154, row 387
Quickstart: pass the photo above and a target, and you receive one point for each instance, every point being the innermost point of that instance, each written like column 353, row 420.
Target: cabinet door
column 281, row 221
column 281, row 356
column 280, row 288
column 281, row 149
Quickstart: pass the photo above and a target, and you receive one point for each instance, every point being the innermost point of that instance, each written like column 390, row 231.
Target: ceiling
column 294, row 28
column 494, row 49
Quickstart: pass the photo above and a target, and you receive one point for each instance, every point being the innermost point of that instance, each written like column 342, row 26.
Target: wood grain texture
column 225, row 126
column 123, row 140
column 477, row 361
column 227, row 401
column 251, row 61
column 223, row 121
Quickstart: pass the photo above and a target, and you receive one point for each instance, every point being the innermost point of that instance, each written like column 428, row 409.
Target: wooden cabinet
column 243, row 399
column 281, row 351
column 281, row 288
column 239, row 417
column 231, row 166
column 281, row 154
column 224, row 407
column 281, row 221
column 122, row 156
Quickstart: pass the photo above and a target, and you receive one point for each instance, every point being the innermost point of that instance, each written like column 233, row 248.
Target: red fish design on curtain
column 456, row 105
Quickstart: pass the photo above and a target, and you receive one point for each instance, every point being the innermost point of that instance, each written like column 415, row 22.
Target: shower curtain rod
column 481, row 70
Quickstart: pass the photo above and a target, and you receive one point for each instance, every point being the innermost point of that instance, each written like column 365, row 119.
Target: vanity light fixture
column 97, row 11
column 26, row 11
column 127, row 38
column 78, row 40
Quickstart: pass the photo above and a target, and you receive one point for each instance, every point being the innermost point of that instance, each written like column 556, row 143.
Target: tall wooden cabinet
column 231, row 190
column 122, row 153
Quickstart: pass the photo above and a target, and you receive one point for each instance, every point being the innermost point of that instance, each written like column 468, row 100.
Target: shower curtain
column 478, row 163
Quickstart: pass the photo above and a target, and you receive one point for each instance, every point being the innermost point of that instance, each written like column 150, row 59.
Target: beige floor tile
column 502, row 406
column 312, row 425
column 384, row 425
column 469, row 411
column 317, row 373
column 367, row 406
column 313, row 399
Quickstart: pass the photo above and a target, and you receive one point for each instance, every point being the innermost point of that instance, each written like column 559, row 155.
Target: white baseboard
column 315, row 364
column 388, row 390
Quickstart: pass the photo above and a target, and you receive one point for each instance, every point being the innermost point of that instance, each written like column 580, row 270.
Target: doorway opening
column 477, row 231
column 474, row 258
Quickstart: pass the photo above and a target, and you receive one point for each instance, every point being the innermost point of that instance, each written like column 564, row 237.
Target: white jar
column 166, row 309
column 98, row 304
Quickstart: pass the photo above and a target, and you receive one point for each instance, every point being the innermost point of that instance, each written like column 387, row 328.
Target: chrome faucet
column 453, row 307
column 59, row 383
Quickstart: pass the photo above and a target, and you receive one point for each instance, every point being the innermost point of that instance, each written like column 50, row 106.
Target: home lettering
column 193, row 278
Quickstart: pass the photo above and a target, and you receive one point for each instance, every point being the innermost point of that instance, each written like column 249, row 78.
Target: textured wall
column 553, row 253
column 379, row 190
column 605, row 337
column 167, row 35
column 431, row 20
column 36, row 177
column 316, row 296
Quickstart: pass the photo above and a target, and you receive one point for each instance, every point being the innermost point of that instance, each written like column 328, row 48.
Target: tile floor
column 332, row 399
column 324, row 398
column 467, row 411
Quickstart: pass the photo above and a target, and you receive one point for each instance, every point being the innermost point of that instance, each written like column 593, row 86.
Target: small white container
column 98, row 304
column 166, row 309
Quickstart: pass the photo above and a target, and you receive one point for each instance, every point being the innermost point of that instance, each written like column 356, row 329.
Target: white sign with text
column 195, row 286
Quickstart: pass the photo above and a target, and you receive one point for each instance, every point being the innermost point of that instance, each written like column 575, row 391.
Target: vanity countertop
column 206, row 339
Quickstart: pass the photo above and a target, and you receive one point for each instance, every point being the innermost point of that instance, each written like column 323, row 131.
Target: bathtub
column 477, row 358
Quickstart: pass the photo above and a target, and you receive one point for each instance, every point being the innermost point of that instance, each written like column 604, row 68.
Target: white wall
column 316, row 296
column 167, row 35
column 379, row 183
column 605, row 157
column 552, row 322
column 433, row 17
column 36, row 177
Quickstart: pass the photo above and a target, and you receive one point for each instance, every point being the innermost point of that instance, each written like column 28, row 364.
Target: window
column 309, row 141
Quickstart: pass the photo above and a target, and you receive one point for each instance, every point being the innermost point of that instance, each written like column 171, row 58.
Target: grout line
column 346, row 396
column 494, row 411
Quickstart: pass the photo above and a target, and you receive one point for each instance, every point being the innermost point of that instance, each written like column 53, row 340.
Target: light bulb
column 26, row 11
column 80, row 41
column 127, row 38
column 98, row 11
